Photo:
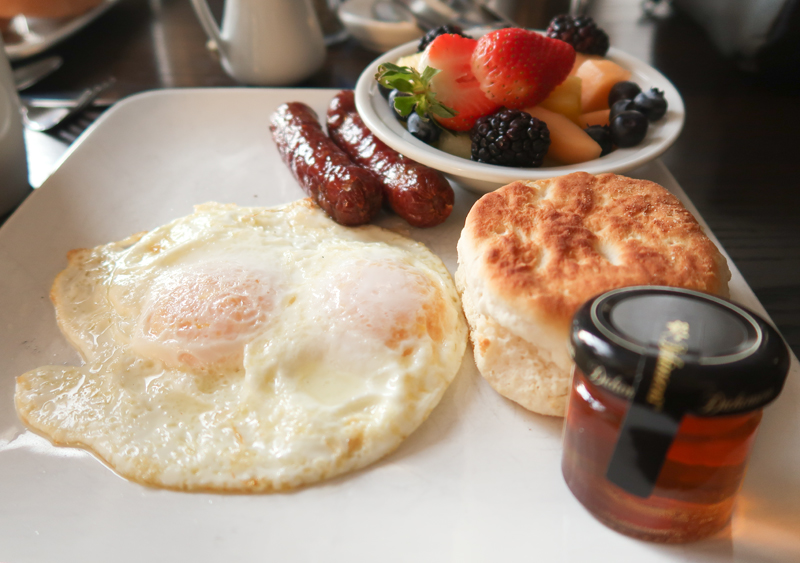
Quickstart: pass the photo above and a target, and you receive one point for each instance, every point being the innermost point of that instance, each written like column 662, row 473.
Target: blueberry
column 424, row 130
column 620, row 106
column 602, row 136
column 397, row 94
column 628, row 128
column 384, row 91
column 624, row 90
column 651, row 103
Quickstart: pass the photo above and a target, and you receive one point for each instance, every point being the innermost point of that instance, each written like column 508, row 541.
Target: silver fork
column 44, row 119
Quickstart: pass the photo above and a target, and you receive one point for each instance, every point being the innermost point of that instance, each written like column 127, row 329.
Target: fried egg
column 247, row 349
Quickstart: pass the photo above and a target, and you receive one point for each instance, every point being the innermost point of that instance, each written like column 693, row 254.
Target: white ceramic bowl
column 482, row 178
column 373, row 34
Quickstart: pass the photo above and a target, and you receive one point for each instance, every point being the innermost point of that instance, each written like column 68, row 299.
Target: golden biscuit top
column 546, row 247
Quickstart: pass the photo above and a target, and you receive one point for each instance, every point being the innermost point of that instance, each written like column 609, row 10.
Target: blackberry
column 602, row 136
column 428, row 38
column 581, row 32
column 510, row 138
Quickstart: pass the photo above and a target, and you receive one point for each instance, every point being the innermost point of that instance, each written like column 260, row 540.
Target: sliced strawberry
column 518, row 68
column 455, row 85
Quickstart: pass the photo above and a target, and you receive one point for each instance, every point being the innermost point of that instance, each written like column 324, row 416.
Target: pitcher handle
column 207, row 21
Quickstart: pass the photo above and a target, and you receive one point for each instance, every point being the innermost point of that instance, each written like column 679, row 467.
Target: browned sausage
column 350, row 194
column 419, row 194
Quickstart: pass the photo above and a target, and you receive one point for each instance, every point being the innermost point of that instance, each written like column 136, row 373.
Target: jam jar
column 667, row 394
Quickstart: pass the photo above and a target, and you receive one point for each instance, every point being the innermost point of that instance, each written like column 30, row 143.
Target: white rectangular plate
column 479, row 481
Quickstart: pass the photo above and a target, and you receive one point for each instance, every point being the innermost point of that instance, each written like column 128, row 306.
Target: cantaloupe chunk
column 599, row 117
column 597, row 79
column 569, row 144
column 566, row 98
column 581, row 58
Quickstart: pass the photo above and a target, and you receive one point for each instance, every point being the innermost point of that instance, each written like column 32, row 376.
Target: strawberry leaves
column 409, row 81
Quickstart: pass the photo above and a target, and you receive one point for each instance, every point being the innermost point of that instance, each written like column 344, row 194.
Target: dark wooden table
column 737, row 157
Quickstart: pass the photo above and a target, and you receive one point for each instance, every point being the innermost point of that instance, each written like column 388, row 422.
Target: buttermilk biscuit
column 531, row 253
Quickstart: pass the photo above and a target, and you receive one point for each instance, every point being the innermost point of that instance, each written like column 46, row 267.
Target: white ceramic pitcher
column 266, row 42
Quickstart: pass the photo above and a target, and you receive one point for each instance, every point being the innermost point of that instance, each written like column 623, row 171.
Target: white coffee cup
column 266, row 42
column 13, row 163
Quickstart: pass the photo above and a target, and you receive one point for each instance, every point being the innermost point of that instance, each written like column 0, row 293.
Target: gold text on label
column 614, row 384
column 721, row 403
column 670, row 347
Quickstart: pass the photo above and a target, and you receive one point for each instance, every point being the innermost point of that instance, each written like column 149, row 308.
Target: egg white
column 247, row 349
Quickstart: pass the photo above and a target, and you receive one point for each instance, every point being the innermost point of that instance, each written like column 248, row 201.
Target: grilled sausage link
column 350, row 194
column 419, row 194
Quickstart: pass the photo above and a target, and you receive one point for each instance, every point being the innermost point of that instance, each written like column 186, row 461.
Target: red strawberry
column 518, row 68
column 455, row 86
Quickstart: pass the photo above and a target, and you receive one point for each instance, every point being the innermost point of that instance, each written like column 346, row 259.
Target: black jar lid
column 716, row 357
column 673, row 352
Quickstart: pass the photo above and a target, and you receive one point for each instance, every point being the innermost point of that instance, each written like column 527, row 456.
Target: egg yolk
column 388, row 301
column 204, row 318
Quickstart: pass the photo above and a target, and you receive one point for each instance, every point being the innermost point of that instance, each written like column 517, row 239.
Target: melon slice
column 581, row 58
column 569, row 144
column 566, row 98
column 598, row 76
column 599, row 117
column 411, row 61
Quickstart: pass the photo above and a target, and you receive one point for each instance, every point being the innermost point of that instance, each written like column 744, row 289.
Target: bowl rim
column 620, row 160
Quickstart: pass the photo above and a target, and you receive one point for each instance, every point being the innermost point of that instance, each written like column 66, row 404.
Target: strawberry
column 455, row 85
column 518, row 68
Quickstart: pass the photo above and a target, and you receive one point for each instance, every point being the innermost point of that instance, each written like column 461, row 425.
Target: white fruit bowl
column 483, row 178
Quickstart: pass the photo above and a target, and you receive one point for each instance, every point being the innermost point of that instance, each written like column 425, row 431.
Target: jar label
column 648, row 430
column 615, row 384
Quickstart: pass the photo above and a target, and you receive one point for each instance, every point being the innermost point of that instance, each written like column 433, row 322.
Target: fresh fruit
column 457, row 144
column 423, row 129
column 581, row 32
column 455, row 85
column 510, row 138
column 598, row 77
column 599, row 117
column 625, row 90
column 413, row 91
column 620, row 106
column 566, row 99
column 569, row 144
column 402, row 115
column 411, row 61
column 581, row 58
column 628, row 129
column 518, row 68
column 449, row 29
column 602, row 136
column 651, row 103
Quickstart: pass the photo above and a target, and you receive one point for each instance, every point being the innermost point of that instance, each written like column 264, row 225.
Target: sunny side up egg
column 247, row 349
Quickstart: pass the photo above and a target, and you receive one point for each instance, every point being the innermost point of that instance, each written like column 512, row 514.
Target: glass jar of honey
column 667, row 394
